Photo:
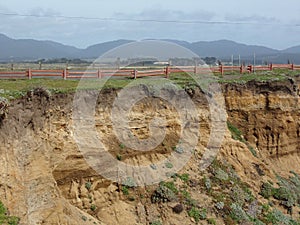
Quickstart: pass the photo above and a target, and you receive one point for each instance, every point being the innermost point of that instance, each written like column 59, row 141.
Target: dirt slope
column 45, row 179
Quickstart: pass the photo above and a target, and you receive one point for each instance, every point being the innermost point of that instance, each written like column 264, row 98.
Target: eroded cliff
column 46, row 180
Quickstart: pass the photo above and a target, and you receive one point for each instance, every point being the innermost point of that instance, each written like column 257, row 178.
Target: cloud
column 43, row 12
column 162, row 14
column 84, row 32
column 253, row 18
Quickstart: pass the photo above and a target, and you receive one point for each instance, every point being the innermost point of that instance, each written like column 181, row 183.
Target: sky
column 274, row 24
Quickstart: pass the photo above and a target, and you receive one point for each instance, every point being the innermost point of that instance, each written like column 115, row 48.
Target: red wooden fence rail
column 134, row 73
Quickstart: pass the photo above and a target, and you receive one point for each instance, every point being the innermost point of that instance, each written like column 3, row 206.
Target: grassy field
column 16, row 88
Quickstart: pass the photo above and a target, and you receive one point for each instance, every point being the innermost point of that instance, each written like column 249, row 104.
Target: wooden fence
column 141, row 72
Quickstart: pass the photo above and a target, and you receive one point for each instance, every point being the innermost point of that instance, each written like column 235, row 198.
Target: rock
column 178, row 208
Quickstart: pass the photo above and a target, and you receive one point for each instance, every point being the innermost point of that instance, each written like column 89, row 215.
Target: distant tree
column 210, row 60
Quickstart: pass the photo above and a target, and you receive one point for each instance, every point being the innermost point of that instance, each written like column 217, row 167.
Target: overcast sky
column 274, row 24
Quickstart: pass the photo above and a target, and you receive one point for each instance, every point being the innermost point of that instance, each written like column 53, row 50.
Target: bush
column 203, row 213
column 163, row 194
column 119, row 157
column 266, row 190
column 277, row 217
column 169, row 165
column 3, row 107
column 156, row 222
column 219, row 205
column 288, row 192
column 211, row 221
column 40, row 92
column 235, row 132
column 184, row 177
column 125, row 190
column 5, row 218
column 194, row 213
column 93, row 208
column 221, row 175
column 238, row 195
column 171, row 186
column 207, row 183
column 88, row 185
column 237, row 213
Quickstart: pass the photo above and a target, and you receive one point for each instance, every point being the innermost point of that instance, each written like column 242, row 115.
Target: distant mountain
column 32, row 49
column 97, row 50
column 28, row 49
column 225, row 48
column 292, row 50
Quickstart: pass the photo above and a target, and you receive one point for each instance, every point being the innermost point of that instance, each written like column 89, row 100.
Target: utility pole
column 232, row 63
column 118, row 63
column 254, row 62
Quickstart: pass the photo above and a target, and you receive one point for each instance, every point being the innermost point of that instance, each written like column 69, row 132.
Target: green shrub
column 207, row 183
column 88, row 185
column 163, row 194
column 237, row 213
column 3, row 107
column 184, row 177
column 194, row 213
column 252, row 150
column 185, row 194
column 169, row 165
column 278, row 218
column 221, row 175
column 219, row 205
column 235, row 132
column 288, row 192
column 84, row 218
column 171, row 185
column 5, row 218
column 211, row 221
column 238, row 195
column 119, row 157
column 156, row 222
column 129, row 182
column 125, row 190
column 93, row 207
column 203, row 214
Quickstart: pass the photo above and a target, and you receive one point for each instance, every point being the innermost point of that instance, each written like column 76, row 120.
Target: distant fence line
column 139, row 72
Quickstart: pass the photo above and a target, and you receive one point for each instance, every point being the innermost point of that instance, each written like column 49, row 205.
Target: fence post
column 241, row 69
column 29, row 74
column 65, row 74
column 271, row 67
column 222, row 70
column 249, row 68
column 99, row 74
column 167, row 71
column 292, row 67
column 135, row 73
column 195, row 70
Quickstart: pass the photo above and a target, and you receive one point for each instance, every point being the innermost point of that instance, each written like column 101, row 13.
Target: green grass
column 237, row 135
column 15, row 88
column 261, row 76
column 235, row 132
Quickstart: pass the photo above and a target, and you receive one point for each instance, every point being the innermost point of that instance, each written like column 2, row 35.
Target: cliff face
column 46, row 180
column 269, row 116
